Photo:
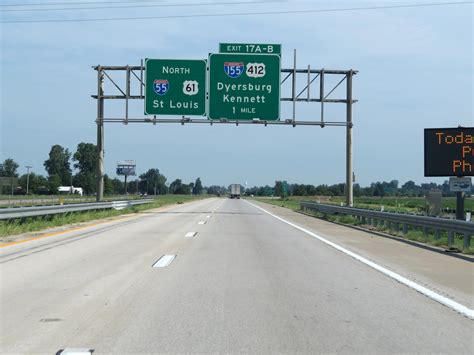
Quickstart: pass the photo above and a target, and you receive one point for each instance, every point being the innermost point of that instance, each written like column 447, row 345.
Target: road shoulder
column 451, row 277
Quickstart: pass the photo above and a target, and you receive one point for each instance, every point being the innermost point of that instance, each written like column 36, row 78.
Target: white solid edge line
column 425, row 291
column 190, row 234
column 164, row 261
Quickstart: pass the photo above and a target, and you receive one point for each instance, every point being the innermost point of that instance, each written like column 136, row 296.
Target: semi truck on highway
column 235, row 191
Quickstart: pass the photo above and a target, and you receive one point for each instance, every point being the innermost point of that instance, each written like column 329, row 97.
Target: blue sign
column 161, row 86
column 233, row 69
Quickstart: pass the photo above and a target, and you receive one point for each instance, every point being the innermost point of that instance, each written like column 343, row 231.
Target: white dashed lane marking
column 164, row 261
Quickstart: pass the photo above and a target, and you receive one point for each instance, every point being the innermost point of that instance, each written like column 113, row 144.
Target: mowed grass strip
column 415, row 234
column 33, row 224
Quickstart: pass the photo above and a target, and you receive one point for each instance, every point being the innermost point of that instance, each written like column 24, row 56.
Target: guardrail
column 24, row 212
column 395, row 220
column 7, row 201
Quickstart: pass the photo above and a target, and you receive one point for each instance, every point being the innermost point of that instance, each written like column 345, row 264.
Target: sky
column 415, row 71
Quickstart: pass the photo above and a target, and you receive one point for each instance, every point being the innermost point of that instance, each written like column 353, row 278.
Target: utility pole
column 28, row 178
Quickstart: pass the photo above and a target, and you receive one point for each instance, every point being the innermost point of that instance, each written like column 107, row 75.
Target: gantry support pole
column 100, row 134
column 349, row 187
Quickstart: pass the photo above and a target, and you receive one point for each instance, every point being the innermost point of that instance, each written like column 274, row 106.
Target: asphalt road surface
column 246, row 282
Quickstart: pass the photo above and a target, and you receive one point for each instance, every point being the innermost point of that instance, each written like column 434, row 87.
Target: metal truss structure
column 134, row 76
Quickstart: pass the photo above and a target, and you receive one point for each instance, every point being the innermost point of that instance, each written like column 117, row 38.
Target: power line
column 141, row 6
column 76, row 3
column 244, row 13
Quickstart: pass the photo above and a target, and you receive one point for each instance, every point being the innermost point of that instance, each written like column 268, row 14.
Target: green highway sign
column 244, row 87
column 250, row 48
column 175, row 87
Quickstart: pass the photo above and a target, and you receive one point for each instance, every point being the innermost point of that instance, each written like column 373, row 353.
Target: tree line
column 60, row 164
column 59, row 167
column 379, row 188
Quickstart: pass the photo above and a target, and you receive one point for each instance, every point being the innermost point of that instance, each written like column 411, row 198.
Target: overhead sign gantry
column 240, row 85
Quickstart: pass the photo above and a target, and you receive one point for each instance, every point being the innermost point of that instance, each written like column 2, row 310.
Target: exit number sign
column 250, row 48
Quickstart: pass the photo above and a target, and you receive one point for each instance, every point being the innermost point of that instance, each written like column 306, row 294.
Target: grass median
column 33, row 224
column 414, row 234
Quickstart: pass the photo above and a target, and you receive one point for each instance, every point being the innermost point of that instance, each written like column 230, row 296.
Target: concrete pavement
column 245, row 283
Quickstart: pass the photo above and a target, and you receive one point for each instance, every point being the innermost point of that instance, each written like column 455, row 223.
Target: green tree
column 108, row 186
column 85, row 159
column 216, row 190
column 184, row 190
column 87, row 181
column 153, row 181
column 378, row 189
column 37, row 184
column 177, row 187
column 58, row 164
column 9, row 169
column 279, row 189
column 54, row 181
column 197, row 188
column 118, row 186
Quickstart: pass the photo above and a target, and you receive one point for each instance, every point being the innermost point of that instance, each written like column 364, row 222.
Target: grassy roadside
column 413, row 234
column 13, row 227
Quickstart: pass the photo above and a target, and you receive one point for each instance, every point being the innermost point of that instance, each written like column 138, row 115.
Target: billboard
column 126, row 167
column 449, row 151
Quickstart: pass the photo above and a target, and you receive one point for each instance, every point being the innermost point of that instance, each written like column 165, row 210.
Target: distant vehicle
column 235, row 191
column 70, row 190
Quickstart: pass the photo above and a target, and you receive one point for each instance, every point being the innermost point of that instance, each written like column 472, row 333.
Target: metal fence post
column 450, row 238
column 405, row 228
column 466, row 241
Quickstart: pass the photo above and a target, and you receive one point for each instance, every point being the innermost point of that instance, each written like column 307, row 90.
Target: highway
column 246, row 282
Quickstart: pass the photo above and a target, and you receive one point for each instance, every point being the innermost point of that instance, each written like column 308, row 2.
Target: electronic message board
column 449, row 151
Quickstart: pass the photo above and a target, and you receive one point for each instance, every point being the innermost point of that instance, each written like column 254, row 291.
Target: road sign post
column 175, row 87
column 244, row 87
